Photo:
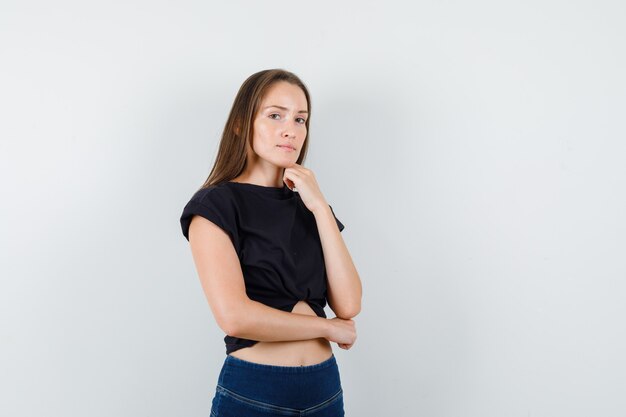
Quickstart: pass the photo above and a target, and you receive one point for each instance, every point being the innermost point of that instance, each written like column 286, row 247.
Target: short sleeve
column 215, row 205
column 339, row 224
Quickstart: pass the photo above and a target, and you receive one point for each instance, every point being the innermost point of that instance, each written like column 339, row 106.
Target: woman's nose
column 290, row 128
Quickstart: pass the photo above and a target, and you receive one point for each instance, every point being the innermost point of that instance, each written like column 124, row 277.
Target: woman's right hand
column 342, row 332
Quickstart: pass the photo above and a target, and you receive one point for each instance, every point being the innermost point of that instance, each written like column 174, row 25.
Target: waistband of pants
column 232, row 361
column 296, row 387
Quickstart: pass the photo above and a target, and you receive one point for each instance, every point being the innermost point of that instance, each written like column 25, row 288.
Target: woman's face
column 279, row 126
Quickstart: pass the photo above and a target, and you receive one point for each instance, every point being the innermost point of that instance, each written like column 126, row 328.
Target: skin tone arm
column 344, row 285
column 344, row 288
column 223, row 284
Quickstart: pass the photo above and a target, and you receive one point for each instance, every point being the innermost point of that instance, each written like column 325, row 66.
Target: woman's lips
column 286, row 148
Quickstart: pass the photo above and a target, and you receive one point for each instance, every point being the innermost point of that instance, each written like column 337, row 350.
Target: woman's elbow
column 348, row 312
column 230, row 320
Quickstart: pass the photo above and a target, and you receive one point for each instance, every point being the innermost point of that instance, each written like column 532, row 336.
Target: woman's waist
column 287, row 353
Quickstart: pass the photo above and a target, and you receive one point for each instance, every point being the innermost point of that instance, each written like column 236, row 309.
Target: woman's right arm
column 237, row 315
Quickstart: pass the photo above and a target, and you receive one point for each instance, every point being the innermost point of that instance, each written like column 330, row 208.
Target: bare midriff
column 288, row 353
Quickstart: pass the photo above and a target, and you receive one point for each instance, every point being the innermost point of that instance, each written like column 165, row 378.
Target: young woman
column 269, row 253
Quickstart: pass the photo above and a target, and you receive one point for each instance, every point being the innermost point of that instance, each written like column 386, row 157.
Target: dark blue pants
column 249, row 389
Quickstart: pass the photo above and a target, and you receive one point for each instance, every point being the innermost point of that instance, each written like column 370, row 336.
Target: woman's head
column 254, row 130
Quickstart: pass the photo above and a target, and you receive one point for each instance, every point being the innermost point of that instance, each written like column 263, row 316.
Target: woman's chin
column 284, row 162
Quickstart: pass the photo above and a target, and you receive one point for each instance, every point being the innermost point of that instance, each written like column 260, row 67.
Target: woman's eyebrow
column 283, row 108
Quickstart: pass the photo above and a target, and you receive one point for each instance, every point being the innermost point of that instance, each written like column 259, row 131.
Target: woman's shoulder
column 212, row 194
column 214, row 203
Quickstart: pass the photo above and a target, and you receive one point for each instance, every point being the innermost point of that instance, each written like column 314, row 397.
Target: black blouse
column 277, row 242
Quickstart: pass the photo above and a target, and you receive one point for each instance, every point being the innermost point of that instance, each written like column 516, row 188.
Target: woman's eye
column 299, row 118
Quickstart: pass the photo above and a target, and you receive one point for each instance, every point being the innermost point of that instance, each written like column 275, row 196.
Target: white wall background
column 474, row 151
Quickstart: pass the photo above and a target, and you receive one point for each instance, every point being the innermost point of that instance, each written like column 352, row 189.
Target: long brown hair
column 231, row 156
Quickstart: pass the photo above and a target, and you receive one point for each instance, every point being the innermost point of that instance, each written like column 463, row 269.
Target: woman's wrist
column 326, row 327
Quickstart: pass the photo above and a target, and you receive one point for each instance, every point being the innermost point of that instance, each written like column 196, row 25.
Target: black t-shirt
column 276, row 239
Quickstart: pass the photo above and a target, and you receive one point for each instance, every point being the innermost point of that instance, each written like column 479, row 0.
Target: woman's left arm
column 344, row 287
